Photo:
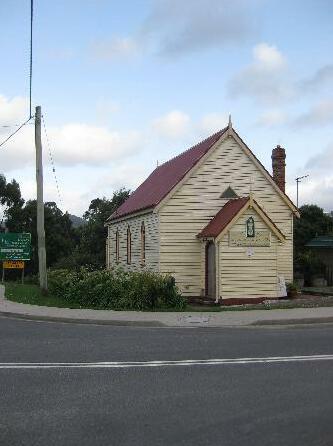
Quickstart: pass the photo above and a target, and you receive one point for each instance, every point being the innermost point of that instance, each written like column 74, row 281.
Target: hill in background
column 77, row 221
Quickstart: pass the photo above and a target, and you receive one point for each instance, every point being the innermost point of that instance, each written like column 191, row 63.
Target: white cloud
column 19, row 151
column 319, row 115
column 173, row 125
column 271, row 118
column 128, row 176
column 213, row 122
column 315, row 190
column 268, row 57
column 265, row 79
column 115, row 48
column 323, row 161
column 12, row 112
column 73, row 144
column 105, row 108
column 322, row 77
column 174, row 28
column 177, row 27
column 86, row 144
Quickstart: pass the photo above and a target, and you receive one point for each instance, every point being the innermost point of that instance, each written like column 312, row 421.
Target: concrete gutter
column 250, row 318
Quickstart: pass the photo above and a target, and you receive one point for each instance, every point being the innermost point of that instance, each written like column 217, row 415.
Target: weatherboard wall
column 152, row 243
column 248, row 272
column 197, row 201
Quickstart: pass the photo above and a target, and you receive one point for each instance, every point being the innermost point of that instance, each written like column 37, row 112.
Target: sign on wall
column 239, row 238
column 15, row 246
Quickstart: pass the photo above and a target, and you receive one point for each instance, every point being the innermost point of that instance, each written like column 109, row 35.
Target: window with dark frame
column 250, row 229
column 143, row 244
column 117, row 246
column 129, row 246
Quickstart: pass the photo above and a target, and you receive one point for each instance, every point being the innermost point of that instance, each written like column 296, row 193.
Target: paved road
column 273, row 403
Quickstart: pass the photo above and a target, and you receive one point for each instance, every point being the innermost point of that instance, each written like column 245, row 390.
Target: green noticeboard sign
column 15, row 246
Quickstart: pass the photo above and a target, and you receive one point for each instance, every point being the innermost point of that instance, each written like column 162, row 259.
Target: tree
column 65, row 246
column 10, row 193
column 93, row 235
column 59, row 234
column 312, row 222
column 10, row 197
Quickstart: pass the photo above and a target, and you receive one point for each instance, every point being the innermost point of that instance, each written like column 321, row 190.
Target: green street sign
column 15, row 246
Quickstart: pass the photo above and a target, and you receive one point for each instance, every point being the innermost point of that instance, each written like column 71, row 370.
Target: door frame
column 210, row 242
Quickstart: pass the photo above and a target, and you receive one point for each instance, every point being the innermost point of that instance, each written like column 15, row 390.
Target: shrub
column 310, row 265
column 116, row 289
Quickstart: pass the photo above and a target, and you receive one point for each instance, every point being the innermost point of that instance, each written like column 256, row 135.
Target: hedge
column 116, row 289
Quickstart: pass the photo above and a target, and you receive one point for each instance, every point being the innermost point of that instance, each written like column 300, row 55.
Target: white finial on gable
column 229, row 128
column 230, row 123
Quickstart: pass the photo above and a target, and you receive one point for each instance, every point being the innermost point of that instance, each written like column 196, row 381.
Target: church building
column 214, row 218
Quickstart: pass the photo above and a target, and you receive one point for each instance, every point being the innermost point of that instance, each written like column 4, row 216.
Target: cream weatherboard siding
column 152, row 242
column 197, row 201
column 243, row 275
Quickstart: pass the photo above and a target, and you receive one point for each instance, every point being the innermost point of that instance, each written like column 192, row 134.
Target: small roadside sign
column 13, row 264
column 15, row 246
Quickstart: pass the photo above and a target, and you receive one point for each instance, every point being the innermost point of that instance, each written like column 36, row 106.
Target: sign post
column 15, row 248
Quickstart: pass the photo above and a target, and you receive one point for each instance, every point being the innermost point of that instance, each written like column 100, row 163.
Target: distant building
column 214, row 218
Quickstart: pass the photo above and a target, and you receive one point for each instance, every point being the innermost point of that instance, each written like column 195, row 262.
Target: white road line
column 187, row 362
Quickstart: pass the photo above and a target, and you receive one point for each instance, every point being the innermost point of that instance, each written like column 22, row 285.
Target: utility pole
column 40, row 202
column 298, row 180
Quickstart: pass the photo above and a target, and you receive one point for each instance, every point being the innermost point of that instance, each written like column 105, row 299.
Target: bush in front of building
column 116, row 289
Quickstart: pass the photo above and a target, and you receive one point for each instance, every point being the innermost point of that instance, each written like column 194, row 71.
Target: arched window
column 117, row 246
column 143, row 244
column 250, row 228
column 129, row 246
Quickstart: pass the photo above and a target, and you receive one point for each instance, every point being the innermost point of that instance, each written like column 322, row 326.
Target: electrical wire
column 55, row 174
column 30, row 85
column 17, row 130
column 52, row 162
column 30, row 72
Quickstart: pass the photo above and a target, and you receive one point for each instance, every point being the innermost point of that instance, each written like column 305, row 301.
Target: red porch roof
column 223, row 217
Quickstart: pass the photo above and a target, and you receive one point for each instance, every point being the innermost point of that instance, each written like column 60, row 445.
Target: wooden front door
column 210, row 270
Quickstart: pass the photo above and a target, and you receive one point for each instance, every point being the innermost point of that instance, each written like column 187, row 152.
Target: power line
column 30, row 85
column 54, row 173
column 30, row 73
column 52, row 162
column 17, row 130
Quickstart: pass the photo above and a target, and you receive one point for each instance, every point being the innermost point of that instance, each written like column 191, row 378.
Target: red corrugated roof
column 223, row 217
column 164, row 178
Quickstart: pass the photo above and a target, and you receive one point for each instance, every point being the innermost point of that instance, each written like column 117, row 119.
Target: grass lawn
column 324, row 291
column 31, row 294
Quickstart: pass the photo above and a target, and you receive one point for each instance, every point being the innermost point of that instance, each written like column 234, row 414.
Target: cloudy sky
column 124, row 85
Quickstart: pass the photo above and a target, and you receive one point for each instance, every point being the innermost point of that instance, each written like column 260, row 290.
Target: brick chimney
column 279, row 167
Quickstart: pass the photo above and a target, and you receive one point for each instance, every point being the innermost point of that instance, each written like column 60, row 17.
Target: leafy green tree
column 65, row 246
column 10, row 193
column 313, row 222
column 59, row 235
column 94, row 233
column 10, row 198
